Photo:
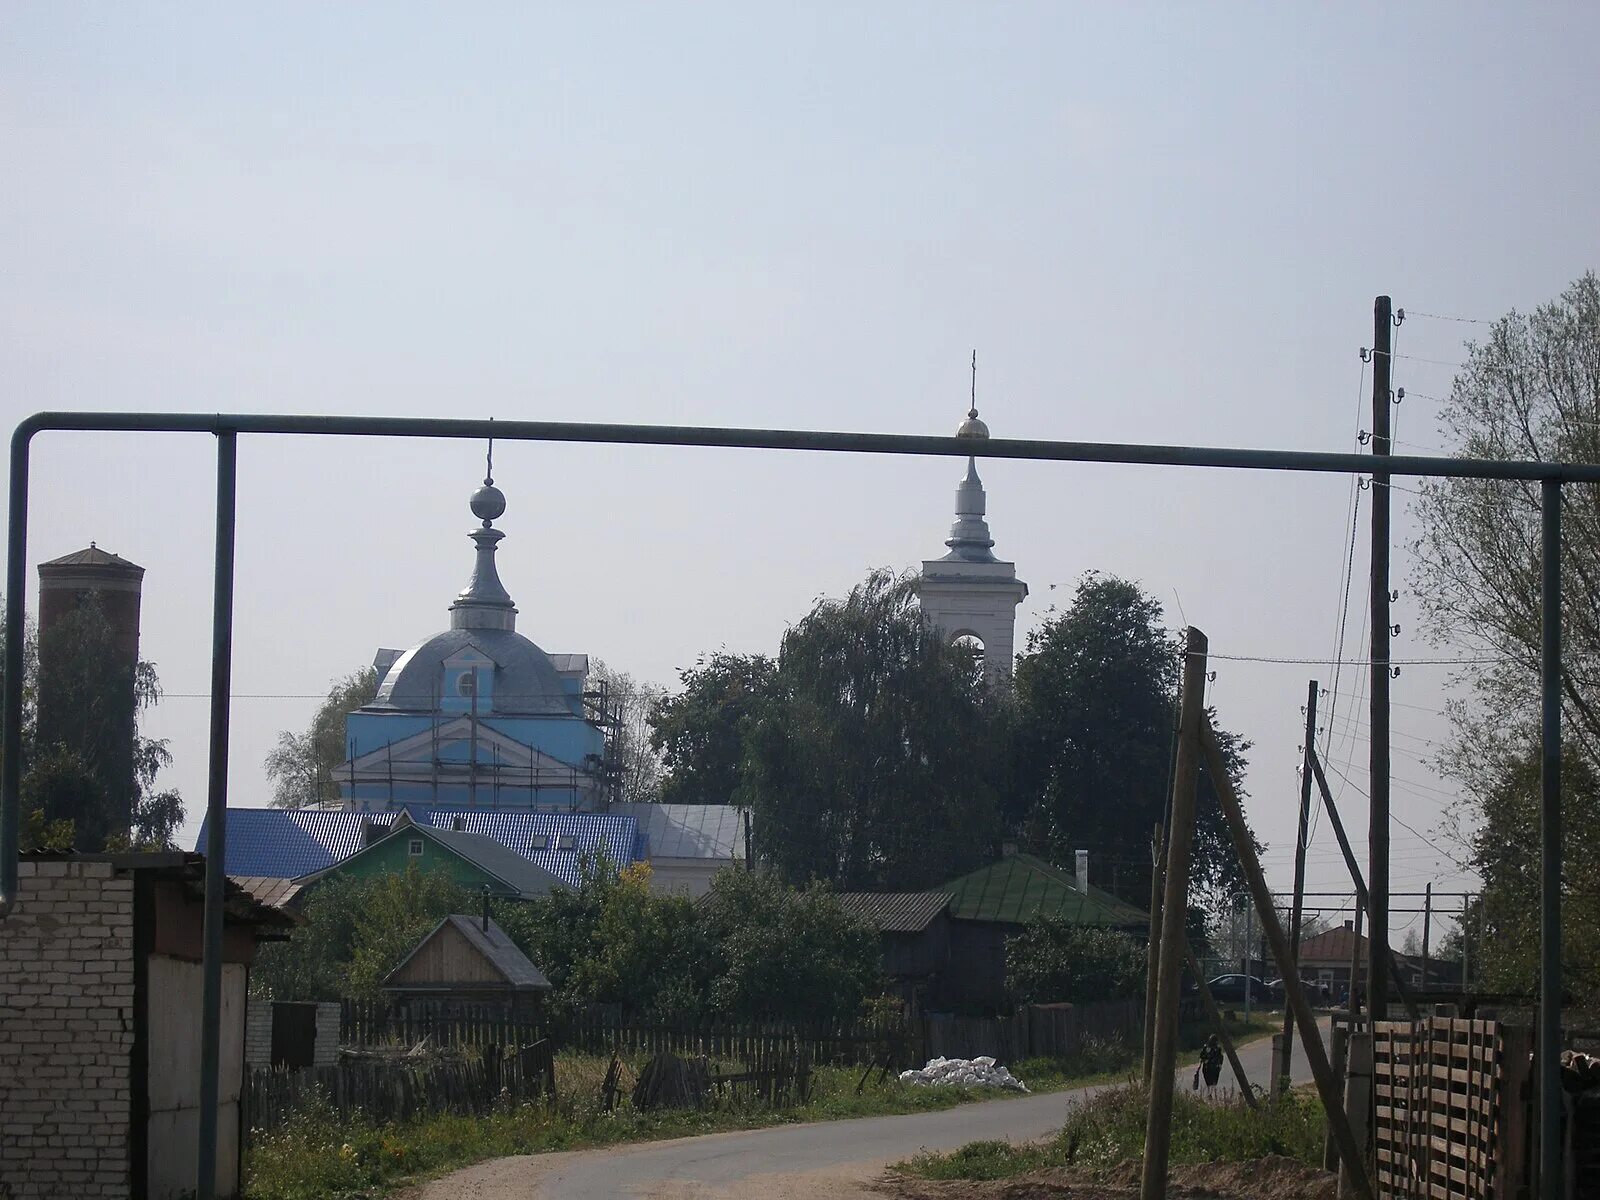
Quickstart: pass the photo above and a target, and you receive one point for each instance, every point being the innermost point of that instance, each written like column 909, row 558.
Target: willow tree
column 869, row 762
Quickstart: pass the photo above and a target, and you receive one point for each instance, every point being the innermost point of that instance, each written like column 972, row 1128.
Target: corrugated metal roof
column 501, row 952
column 266, row 889
column 1020, row 887
column 290, row 843
column 896, row 912
column 702, row 831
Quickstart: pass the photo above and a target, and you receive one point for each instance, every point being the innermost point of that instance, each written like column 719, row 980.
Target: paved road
column 828, row 1160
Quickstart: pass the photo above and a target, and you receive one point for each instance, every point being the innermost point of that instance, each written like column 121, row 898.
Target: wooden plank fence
column 1039, row 1030
column 397, row 1090
column 1446, row 1126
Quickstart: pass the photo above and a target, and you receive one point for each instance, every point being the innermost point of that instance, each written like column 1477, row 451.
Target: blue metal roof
column 287, row 843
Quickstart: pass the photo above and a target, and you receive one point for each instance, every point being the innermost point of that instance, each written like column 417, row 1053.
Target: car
column 1231, row 989
column 1316, row 992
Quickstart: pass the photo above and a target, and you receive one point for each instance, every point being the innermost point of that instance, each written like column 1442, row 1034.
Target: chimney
column 1350, row 925
column 1083, row 871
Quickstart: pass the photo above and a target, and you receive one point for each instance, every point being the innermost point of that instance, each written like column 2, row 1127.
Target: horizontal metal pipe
column 798, row 439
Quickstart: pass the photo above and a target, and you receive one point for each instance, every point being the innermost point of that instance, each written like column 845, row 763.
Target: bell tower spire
column 969, row 593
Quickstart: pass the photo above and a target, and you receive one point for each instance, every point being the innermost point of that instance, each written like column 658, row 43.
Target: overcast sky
column 1160, row 224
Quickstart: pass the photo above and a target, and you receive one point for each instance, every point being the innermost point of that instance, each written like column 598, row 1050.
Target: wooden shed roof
column 496, row 949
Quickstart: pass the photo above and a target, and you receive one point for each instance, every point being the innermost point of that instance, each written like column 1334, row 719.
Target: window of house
column 566, row 842
column 1416, row 979
column 541, row 842
column 415, row 848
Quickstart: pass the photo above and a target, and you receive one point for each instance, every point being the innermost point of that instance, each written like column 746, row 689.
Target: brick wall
column 66, row 1032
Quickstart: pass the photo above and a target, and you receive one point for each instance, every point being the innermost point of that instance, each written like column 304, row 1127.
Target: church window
column 415, row 848
column 467, row 683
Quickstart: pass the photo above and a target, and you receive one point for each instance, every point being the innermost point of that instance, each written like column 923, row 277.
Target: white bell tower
column 969, row 592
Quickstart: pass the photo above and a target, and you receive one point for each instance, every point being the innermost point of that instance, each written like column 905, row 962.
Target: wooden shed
column 465, row 961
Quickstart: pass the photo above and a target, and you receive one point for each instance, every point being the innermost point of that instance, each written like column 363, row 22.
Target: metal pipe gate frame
column 226, row 428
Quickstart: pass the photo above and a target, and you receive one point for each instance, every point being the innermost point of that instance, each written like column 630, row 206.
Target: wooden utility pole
column 1153, row 949
column 1427, row 926
column 1316, row 1055
column 1300, row 870
column 1174, row 904
column 1378, row 789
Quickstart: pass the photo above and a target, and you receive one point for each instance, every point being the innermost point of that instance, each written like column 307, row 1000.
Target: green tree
column 699, row 731
column 1530, row 389
column 85, row 760
column 1054, row 961
column 356, row 931
column 301, row 765
column 788, row 953
column 1096, row 694
column 870, row 761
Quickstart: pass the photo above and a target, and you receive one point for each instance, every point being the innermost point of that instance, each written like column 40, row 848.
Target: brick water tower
column 67, row 585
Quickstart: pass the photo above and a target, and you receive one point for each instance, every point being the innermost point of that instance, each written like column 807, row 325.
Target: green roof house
column 1020, row 888
column 995, row 902
column 473, row 860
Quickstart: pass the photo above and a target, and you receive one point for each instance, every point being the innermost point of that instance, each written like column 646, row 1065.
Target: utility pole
column 1378, row 788
column 1427, row 921
column 1300, row 869
column 1153, row 949
column 1249, row 955
column 1174, row 904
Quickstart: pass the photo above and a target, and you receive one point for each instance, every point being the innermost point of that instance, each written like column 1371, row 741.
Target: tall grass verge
column 1109, row 1128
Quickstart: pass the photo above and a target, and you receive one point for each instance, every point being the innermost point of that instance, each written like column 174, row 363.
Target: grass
column 1108, row 1129
column 319, row 1155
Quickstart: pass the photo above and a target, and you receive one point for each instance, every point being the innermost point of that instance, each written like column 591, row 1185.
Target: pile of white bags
column 964, row 1072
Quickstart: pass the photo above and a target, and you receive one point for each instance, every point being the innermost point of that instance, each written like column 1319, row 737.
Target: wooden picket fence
column 1035, row 1030
column 1450, row 1118
column 398, row 1089
column 367, row 1024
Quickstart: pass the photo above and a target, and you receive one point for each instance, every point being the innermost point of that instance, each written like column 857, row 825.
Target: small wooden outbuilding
column 466, row 961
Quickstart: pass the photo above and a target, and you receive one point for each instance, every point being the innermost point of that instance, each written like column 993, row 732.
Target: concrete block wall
column 327, row 1048
column 66, row 1032
column 258, row 1033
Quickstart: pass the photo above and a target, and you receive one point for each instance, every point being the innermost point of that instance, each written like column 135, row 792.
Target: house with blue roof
column 296, row 843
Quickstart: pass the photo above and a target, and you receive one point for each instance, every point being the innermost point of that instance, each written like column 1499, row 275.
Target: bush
column 1054, row 960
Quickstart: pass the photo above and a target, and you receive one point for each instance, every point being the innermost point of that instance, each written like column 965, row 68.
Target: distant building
column 969, row 593
column 473, row 860
column 466, row 961
column 292, row 844
column 478, row 716
column 115, row 586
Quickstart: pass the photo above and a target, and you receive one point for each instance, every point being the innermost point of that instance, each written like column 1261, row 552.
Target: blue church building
column 478, row 716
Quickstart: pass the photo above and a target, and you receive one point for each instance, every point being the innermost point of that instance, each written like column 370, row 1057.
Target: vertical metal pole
column 1378, row 789
column 16, row 613
column 216, row 819
column 1174, row 905
column 1549, row 1064
column 1299, row 871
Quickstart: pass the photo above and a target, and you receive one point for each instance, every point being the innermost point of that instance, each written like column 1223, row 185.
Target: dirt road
column 830, row 1160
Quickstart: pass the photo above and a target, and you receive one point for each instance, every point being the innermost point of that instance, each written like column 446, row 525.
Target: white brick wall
column 66, row 1032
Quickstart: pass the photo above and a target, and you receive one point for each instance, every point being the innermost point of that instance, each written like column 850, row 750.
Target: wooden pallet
column 1437, row 1086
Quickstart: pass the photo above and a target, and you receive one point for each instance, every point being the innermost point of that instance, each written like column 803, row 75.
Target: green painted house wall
column 393, row 855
